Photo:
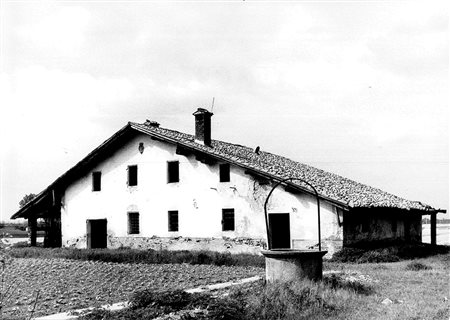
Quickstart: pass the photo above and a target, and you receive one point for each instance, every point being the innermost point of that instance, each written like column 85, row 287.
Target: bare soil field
column 68, row 284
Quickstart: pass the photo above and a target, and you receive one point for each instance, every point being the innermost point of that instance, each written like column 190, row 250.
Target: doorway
column 281, row 231
column 96, row 233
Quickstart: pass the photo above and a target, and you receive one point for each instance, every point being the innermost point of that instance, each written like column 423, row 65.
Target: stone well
column 287, row 265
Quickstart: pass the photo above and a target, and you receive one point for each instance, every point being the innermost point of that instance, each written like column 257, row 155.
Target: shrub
column 226, row 308
column 171, row 300
column 289, row 301
column 417, row 266
column 391, row 253
column 335, row 281
column 126, row 255
column 377, row 257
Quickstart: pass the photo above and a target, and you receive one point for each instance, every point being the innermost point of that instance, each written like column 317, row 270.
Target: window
column 133, row 222
column 132, row 175
column 96, row 181
column 227, row 219
column 224, row 170
column 173, row 220
column 173, row 172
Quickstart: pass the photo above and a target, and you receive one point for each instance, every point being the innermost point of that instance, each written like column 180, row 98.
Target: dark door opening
column 281, row 231
column 96, row 233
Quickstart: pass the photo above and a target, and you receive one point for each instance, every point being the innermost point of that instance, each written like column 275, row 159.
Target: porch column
column 32, row 230
column 433, row 228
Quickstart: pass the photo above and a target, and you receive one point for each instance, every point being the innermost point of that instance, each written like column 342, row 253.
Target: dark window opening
column 173, row 172
column 173, row 220
column 394, row 226
column 96, row 181
column 224, row 170
column 227, row 219
column 133, row 222
column 132, row 175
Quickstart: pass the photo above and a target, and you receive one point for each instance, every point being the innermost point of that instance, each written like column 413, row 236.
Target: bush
column 335, row 281
column 417, row 266
column 287, row 301
column 377, row 257
column 388, row 254
column 290, row 301
column 171, row 300
column 21, row 244
column 126, row 255
column 226, row 308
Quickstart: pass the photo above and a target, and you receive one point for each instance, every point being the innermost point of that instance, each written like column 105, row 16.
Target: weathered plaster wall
column 371, row 225
column 199, row 198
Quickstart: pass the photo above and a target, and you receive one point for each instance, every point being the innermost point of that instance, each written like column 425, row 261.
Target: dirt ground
column 68, row 284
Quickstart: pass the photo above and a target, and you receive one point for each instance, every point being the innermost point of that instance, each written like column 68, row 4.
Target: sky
column 358, row 88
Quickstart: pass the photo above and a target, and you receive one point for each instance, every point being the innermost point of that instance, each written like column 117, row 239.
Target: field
column 408, row 289
column 442, row 233
column 16, row 231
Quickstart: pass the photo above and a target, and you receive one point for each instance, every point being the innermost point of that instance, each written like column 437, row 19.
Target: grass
column 419, row 289
column 16, row 231
column 417, row 266
column 303, row 300
column 140, row 256
column 393, row 253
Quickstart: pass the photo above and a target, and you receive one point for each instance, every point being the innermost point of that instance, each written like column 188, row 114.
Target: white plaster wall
column 199, row 198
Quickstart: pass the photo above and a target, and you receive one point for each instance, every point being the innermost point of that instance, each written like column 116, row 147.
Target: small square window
column 133, row 222
column 224, row 170
column 96, row 181
column 173, row 221
column 173, row 171
column 132, row 175
column 227, row 219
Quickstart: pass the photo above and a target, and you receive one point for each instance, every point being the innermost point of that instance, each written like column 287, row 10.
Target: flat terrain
column 69, row 284
column 416, row 295
column 442, row 233
column 16, row 232
column 410, row 289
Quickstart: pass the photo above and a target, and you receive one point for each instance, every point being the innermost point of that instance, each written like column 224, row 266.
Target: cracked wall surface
column 199, row 198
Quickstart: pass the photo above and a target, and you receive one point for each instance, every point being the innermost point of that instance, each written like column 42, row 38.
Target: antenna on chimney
column 212, row 105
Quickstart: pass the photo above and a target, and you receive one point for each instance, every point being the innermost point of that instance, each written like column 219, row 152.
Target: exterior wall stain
column 199, row 198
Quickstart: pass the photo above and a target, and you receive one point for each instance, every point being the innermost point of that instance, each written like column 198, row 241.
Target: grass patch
column 417, row 266
column 141, row 256
column 338, row 296
column 303, row 300
column 336, row 281
column 388, row 254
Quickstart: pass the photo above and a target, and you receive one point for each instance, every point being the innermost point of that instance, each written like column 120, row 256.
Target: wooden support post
column 433, row 228
column 32, row 230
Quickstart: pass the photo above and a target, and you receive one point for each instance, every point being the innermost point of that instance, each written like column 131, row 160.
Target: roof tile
column 328, row 184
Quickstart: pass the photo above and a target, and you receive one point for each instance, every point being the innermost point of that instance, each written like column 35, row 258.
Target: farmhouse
column 152, row 187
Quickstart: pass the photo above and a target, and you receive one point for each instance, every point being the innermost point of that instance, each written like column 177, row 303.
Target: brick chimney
column 203, row 126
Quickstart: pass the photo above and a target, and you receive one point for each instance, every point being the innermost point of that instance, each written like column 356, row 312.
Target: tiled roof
column 332, row 186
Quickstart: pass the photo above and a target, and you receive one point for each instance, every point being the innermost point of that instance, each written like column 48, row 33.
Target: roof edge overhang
column 61, row 181
column 423, row 212
column 339, row 204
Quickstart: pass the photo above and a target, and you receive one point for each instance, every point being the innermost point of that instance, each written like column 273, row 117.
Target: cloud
column 59, row 32
column 46, row 102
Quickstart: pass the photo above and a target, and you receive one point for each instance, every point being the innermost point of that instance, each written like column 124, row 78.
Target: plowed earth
column 63, row 285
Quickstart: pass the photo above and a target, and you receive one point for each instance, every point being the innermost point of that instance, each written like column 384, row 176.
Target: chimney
column 203, row 126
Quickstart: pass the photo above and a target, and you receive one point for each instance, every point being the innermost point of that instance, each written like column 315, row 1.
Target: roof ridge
column 356, row 193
